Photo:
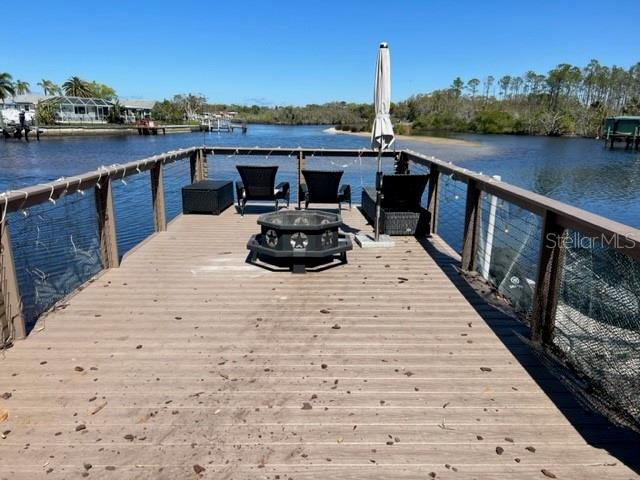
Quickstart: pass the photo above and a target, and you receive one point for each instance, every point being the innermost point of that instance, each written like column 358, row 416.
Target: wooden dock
column 187, row 362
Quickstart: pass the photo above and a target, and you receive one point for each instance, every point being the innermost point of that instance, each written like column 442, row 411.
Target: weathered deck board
column 190, row 356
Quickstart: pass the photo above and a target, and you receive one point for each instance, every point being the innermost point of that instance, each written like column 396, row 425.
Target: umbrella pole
column 378, row 196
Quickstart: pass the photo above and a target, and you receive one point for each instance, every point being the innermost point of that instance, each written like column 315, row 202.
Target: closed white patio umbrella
column 382, row 132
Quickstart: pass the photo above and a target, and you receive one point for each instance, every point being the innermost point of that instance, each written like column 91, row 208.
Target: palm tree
column 22, row 87
column 48, row 87
column 44, row 85
column 7, row 88
column 76, row 87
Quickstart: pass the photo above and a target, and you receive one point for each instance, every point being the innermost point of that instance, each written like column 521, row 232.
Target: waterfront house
column 80, row 110
column 135, row 109
column 26, row 103
column 74, row 109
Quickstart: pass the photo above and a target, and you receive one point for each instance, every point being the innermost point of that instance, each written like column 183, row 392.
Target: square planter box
column 207, row 196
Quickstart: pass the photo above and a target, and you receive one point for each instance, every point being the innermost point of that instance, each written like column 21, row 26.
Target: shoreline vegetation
column 566, row 101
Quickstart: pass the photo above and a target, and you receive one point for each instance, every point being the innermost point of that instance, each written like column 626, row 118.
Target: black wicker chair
column 258, row 183
column 401, row 212
column 322, row 186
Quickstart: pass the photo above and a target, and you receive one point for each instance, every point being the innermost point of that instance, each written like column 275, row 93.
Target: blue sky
column 298, row 52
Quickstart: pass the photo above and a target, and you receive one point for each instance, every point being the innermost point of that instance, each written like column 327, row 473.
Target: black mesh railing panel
column 175, row 176
column 452, row 197
column 420, row 169
column 133, row 208
column 597, row 325
column 508, row 249
column 56, row 249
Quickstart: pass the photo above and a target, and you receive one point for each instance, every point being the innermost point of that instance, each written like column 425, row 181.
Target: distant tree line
column 186, row 106
column 567, row 100
column 332, row 113
column 183, row 107
column 73, row 87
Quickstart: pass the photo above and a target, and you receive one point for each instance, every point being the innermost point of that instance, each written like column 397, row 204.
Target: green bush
column 443, row 121
column 46, row 113
column 489, row 120
column 402, row 128
column 168, row 111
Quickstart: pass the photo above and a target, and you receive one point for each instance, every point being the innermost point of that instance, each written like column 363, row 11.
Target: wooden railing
column 557, row 217
column 12, row 324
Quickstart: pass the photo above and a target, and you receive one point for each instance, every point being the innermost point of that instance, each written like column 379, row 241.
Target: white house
column 73, row 109
column 21, row 103
column 136, row 109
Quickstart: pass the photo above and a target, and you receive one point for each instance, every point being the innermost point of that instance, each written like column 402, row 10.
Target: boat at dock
column 222, row 122
column 146, row 126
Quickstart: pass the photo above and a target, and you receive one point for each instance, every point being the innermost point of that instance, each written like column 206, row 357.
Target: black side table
column 207, row 196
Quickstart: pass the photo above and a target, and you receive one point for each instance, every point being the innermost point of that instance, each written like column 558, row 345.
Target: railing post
column 11, row 317
column 432, row 199
column 193, row 164
column 547, row 291
column 300, row 167
column 204, row 164
column 471, row 226
column 157, row 198
column 106, row 224
column 198, row 165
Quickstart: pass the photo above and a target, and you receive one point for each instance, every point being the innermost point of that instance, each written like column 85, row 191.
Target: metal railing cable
column 583, row 306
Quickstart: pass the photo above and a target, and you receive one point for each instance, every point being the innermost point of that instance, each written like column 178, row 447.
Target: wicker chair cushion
column 403, row 192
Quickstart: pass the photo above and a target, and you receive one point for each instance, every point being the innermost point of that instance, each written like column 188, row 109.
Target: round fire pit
column 299, row 236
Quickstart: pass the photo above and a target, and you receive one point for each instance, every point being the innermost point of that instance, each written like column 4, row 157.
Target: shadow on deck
column 595, row 428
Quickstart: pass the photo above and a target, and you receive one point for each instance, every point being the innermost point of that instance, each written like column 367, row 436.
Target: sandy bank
column 415, row 138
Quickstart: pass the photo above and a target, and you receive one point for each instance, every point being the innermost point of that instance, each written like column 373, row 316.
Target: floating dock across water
column 222, row 124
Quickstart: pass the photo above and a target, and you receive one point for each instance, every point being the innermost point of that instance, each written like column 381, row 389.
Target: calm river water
column 578, row 171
